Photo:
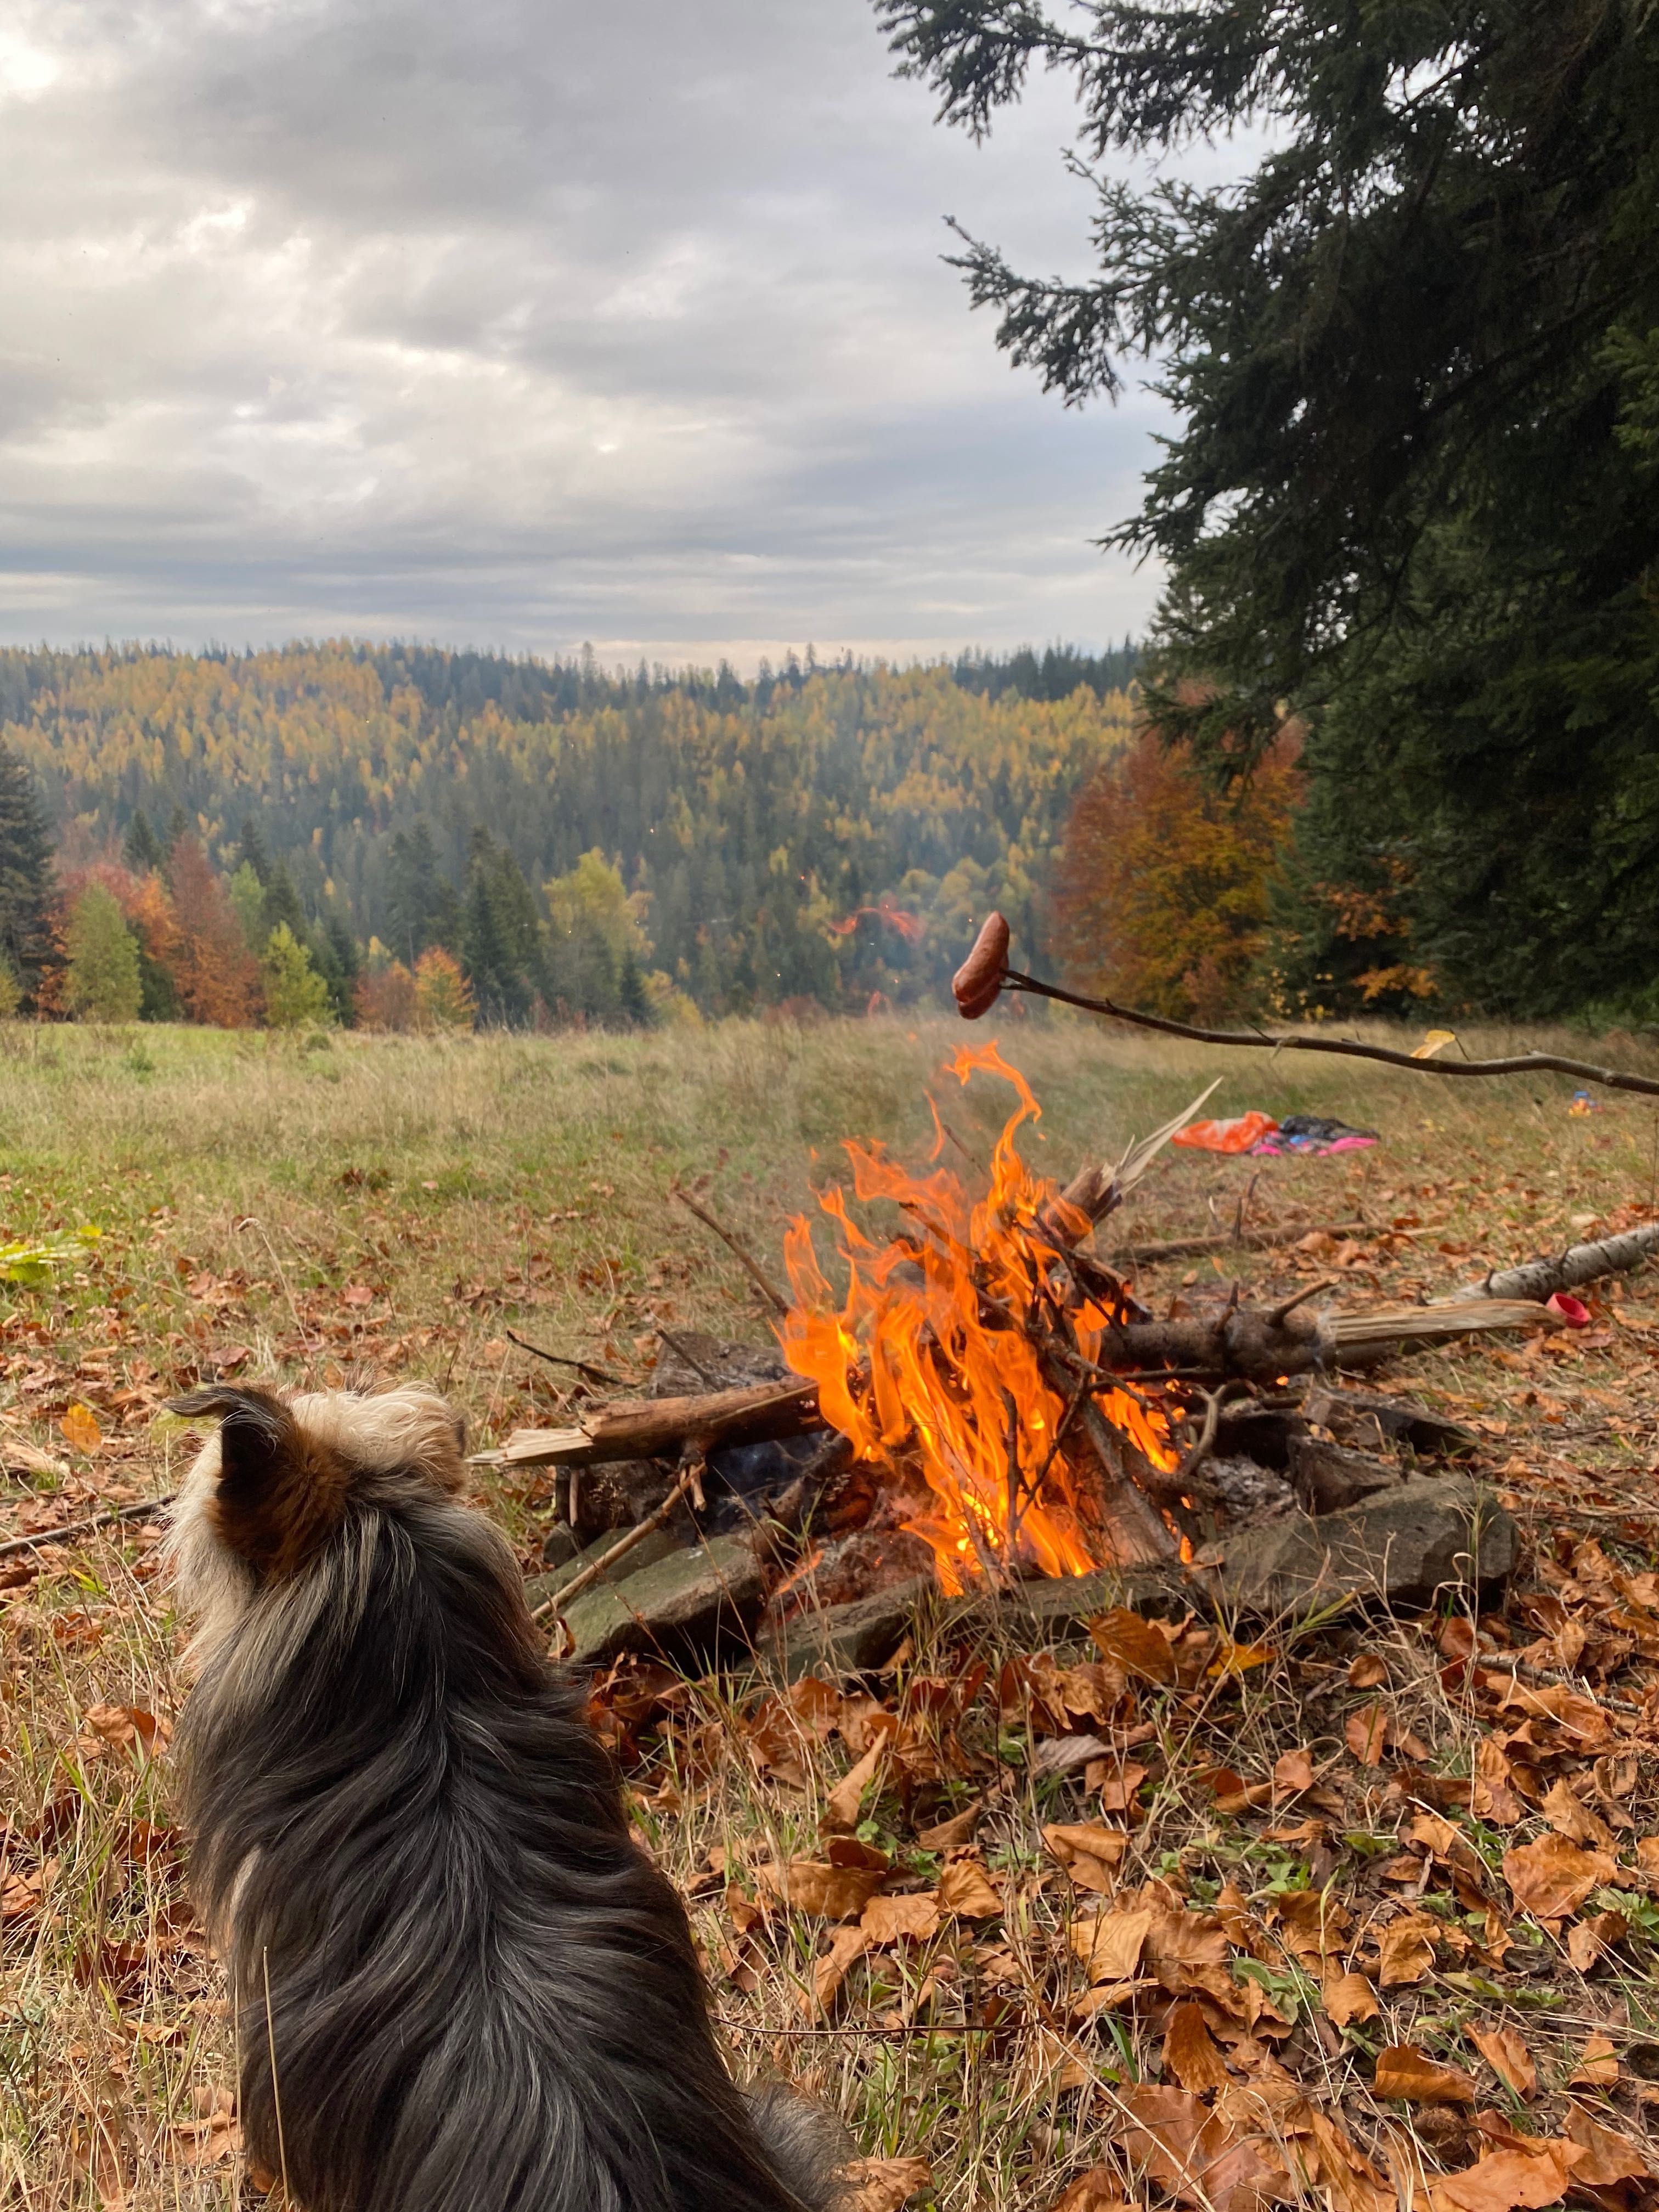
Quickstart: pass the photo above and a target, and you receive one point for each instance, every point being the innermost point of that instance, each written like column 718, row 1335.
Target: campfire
column 967, row 1349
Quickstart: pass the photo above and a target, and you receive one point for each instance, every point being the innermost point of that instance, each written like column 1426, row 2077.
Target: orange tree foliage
column 218, row 976
column 1161, row 894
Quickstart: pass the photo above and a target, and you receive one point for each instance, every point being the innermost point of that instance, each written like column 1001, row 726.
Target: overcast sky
column 521, row 323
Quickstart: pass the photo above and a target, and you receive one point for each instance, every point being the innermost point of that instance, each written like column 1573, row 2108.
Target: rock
column 1362, row 1418
column 1329, row 1480
column 1404, row 1546
column 1250, row 1491
column 645, row 1554
column 853, row 1638
column 685, row 1603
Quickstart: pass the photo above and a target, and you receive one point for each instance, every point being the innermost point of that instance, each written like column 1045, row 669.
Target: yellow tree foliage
column 1161, row 896
column 442, row 1000
column 217, row 977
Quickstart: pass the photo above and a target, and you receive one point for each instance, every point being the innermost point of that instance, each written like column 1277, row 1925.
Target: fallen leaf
column 1508, row 2056
column 1588, row 1939
column 1598, row 2064
column 1366, row 1733
column 847, row 1947
column 1118, row 1785
column 835, row 1892
column 1568, row 1815
column 893, row 1919
column 1100, row 2190
column 1293, row 1773
column 967, row 1892
column 1193, row 2152
column 1404, row 2071
column 950, row 1835
column 1349, row 1997
column 1110, row 1944
column 1609, row 2158
column 1239, row 1658
column 1512, row 2180
column 1141, row 1649
column 882, row 2185
column 127, row 1727
column 80, row 1426
column 1490, row 1797
column 1088, row 1853
column 1191, row 2053
column 1406, row 1948
column 841, row 1808
column 1551, row 1878
column 850, row 1852
column 1065, row 1754
column 1367, row 1672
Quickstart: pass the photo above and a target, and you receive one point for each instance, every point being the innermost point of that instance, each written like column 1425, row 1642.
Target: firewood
column 1243, row 1342
column 653, row 1428
column 1363, row 1337
column 1581, row 1263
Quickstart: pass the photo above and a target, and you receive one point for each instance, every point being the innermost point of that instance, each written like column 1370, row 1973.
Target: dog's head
column 267, row 1492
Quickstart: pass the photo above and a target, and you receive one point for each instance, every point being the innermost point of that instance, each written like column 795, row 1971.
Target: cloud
column 527, row 323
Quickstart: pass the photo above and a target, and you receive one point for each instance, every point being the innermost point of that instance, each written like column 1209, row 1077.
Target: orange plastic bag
column 1237, row 1135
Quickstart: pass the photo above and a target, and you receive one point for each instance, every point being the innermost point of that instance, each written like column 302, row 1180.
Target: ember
column 968, row 1346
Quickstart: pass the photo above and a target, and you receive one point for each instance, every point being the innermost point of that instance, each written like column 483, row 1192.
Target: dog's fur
column 459, row 1985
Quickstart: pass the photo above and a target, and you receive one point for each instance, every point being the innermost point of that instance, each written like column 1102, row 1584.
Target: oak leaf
column 950, row 1835
column 1568, row 1815
column 81, row 1427
column 1367, row 1672
column 847, row 1947
column 1293, row 1773
column 1088, row 1852
column 1588, row 1939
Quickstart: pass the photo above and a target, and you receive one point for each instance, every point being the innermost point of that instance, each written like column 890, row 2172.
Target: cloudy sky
column 526, row 322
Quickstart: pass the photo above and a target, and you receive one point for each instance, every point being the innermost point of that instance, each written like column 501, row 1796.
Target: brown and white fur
column 459, row 1985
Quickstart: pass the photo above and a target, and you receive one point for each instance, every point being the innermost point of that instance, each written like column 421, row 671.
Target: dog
column 459, row 1985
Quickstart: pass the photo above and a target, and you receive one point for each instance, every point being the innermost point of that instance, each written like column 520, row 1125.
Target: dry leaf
column 81, row 1427
column 1087, row 1852
column 882, row 2185
column 1138, row 1647
column 950, row 1835
column 1367, row 1672
column 1511, row 2180
column 1609, row 2158
column 1366, row 1733
column 1508, row 2056
column 966, row 1890
column 835, row 1892
column 1065, row 1754
column 1403, row 2070
column 1239, row 1658
column 1100, row 2190
column 1568, row 1815
column 127, row 1727
column 1349, row 1997
column 1406, row 1948
column 891, row 1919
column 1598, row 2065
column 1292, row 1774
column 1588, row 1939
column 1490, row 1797
column 1118, row 1786
column 1194, row 2152
column 1551, row 1878
column 1191, row 2053
column 847, row 1947
column 1110, row 1944
column 841, row 1808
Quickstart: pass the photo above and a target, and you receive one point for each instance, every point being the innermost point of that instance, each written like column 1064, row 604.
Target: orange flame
column 910, row 926
column 929, row 1353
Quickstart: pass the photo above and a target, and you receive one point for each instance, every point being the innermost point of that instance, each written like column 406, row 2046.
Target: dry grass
column 396, row 1205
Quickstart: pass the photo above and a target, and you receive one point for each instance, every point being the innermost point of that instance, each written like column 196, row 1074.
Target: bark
column 653, row 1428
column 1584, row 1263
column 1360, row 1339
column 1247, row 1344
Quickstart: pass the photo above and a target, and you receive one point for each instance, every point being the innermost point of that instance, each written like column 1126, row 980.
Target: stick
column 637, row 1535
column 1583, row 1263
column 1526, row 1063
column 1253, row 1240
column 740, row 1252
column 678, row 1344
column 561, row 1359
column 650, row 1428
column 85, row 1528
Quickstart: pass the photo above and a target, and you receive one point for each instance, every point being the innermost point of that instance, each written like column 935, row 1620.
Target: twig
column 1523, row 1063
column 85, row 1528
column 676, row 1343
column 688, row 1480
column 562, row 1359
column 740, row 1252
column 1300, row 1297
column 1186, row 1474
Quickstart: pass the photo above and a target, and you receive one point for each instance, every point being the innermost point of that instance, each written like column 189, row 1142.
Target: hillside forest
column 412, row 838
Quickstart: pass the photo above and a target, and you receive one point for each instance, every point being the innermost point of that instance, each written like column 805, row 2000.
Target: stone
column 1405, row 1547
column 1362, row 1418
column 645, row 1554
column 854, row 1638
column 685, row 1604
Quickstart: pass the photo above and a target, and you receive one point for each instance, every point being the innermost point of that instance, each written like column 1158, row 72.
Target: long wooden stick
column 139, row 1512
column 1521, row 1063
column 739, row 1251
column 589, row 1575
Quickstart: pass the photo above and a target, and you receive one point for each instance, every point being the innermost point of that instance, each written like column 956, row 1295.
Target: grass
column 392, row 1207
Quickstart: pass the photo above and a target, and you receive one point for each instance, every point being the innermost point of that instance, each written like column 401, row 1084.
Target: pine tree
column 141, row 848
column 253, row 852
column 422, row 907
column 25, row 875
column 283, row 907
column 296, row 997
column 502, row 947
column 103, row 982
column 335, row 957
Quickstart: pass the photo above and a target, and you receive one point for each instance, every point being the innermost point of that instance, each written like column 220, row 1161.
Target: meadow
column 354, row 1207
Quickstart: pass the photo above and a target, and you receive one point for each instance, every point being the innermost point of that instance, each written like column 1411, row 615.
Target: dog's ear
column 280, row 1493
